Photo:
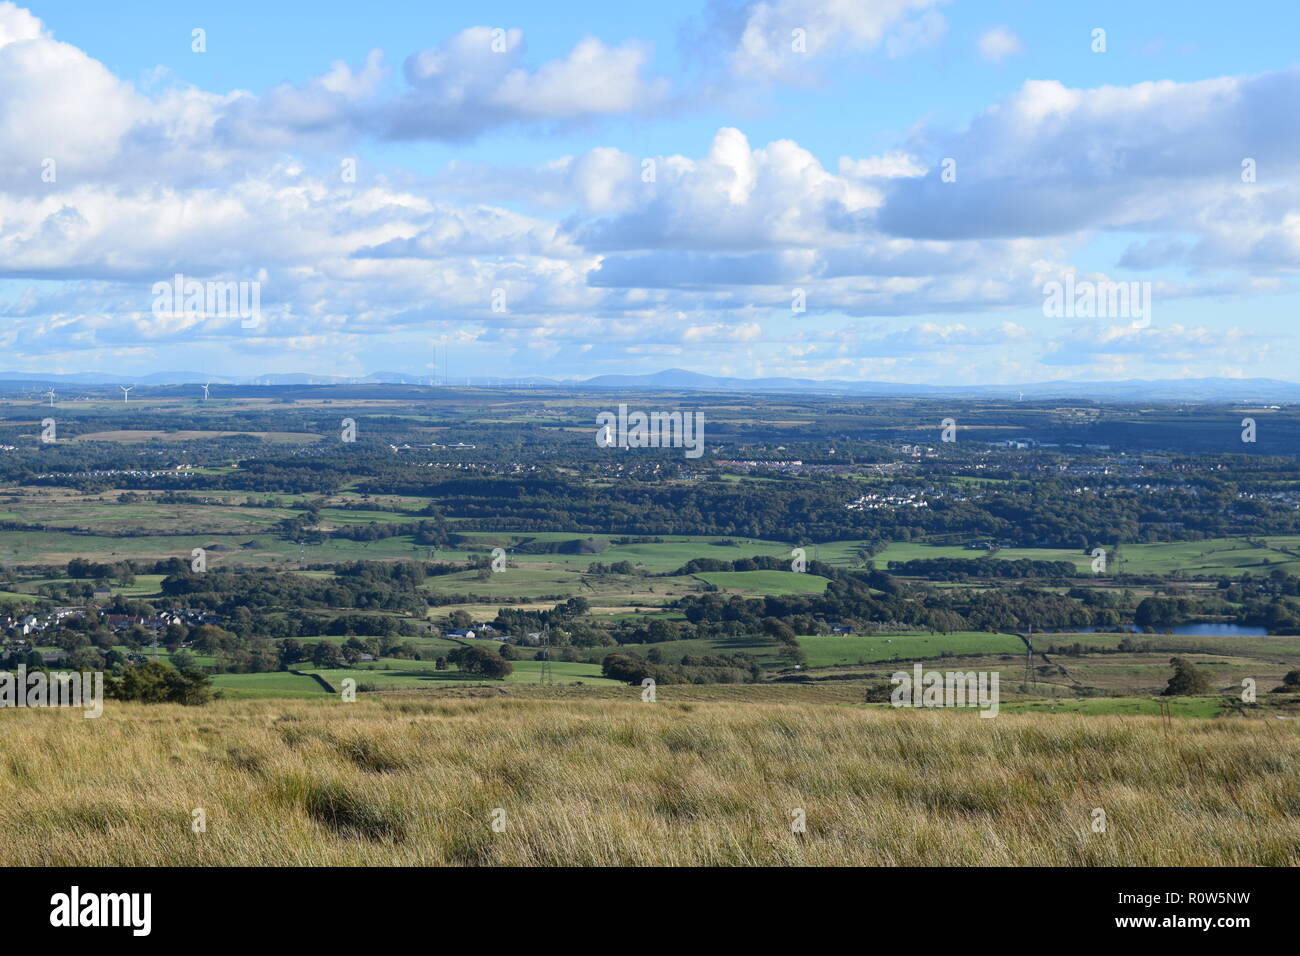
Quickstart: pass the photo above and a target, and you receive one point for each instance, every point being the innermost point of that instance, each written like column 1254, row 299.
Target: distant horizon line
column 1187, row 389
column 401, row 378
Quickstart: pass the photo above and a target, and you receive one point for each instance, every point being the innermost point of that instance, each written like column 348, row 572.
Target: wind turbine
column 50, row 395
column 205, row 391
column 126, row 392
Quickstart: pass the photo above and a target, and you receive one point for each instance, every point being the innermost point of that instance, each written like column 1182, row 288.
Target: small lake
column 1186, row 630
column 1220, row 630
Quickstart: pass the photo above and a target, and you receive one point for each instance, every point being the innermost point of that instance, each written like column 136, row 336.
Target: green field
column 195, row 526
column 392, row 674
column 853, row 649
column 1212, row 557
column 765, row 582
column 1217, row 556
column 400, row 675
column 271, row 684
column 915, row 551
column 826, row 651
column 1269, row 647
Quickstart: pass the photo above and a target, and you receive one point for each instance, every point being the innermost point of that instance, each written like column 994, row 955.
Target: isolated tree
column 576, row 606
column 628, row 668
column 182, row 660
column 1188, row 679
column 208, row 639
column 264, row 656
column 290, row 652
column 156, row 682
column 778, row 629
column 793, row 654
column 174, row 636
column 325, row 654
column 481, row 660
column 879, row 692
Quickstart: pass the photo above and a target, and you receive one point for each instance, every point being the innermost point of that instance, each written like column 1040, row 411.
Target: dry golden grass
column 409, row 780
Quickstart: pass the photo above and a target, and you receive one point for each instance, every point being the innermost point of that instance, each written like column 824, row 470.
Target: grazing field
column 852, row 649
column 1270, row 646
column 57, row 547
column 411, row 780
column 666, row 553
column 914, row 551
column 270, row 684
column 1226, row 557
column 102, row 529
column 409, row 675
column 765, row 582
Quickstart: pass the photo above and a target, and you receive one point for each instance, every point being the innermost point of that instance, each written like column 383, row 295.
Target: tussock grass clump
column 242, row 758
column 350, row 812
column 371, row 755
column 509, row 781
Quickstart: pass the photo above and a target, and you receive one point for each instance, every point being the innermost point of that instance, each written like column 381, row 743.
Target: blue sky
column 501, row 210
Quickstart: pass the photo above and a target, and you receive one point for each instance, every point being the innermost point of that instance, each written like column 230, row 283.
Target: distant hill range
column 1246, row 390
column 1187, row 389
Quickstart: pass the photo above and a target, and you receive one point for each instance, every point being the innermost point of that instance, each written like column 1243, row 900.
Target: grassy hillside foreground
column 406, row 780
